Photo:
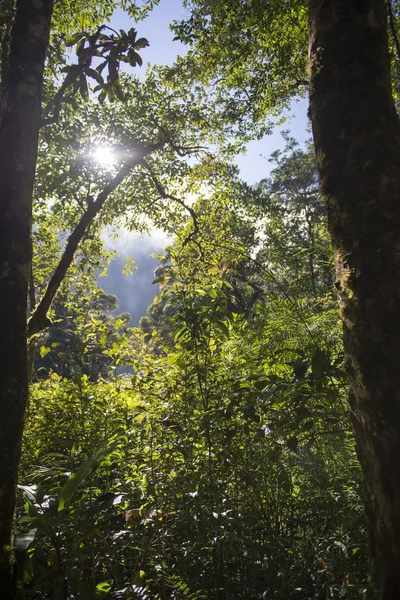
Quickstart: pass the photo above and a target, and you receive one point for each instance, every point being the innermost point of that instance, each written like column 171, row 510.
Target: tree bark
column 19, row 130
column 357, row 140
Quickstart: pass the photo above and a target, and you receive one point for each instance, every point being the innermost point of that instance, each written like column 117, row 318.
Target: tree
column 30, row 102
column 22, row 81
column 258, row 53
column 297, row 241
column 25, row 46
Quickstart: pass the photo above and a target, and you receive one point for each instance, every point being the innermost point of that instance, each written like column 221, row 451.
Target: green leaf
column 319, row 364
column 94, row 74
column 43, row 351
column 160, row 279
column 141, row 43
column 24, row 562
column 181, row 331
column 104, row 587
column 134, row 58
column 23, row 540
column 101, row 66
column 74, row 39
column 77, row 478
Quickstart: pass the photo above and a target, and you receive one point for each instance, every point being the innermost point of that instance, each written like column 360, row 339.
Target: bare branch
column 186, row 150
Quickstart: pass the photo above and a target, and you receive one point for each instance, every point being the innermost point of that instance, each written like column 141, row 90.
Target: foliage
column 252, row 56
column 232, row 471
column 296, row 238
column 83, row 334
column 256, row 51
column 223, row 467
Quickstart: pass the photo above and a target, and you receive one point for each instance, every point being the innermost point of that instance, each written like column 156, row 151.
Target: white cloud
column 126, row 242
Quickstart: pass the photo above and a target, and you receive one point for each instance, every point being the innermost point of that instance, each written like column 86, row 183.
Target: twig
column 185, row 150
column 160, row 189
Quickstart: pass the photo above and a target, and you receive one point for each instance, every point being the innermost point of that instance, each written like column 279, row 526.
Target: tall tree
column 25, row 29
column 357, row 140
column 22, row 80
column 83, row 196
column 260, row 62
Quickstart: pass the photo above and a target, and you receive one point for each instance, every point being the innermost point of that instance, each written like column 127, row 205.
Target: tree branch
column 160, row 189
column 187, row 150
column 39, row 319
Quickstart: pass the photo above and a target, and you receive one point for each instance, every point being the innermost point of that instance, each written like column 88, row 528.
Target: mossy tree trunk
column 357, row 139
column 20, row 105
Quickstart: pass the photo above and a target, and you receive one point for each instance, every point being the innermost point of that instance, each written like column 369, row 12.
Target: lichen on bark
column 357, row 139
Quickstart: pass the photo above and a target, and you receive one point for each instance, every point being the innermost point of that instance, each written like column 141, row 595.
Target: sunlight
column 104, row 156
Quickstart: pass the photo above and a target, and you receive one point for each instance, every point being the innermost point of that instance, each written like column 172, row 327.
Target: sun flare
column 104, row 156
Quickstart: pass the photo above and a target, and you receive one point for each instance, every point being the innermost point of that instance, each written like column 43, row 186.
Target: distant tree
column 296, row 240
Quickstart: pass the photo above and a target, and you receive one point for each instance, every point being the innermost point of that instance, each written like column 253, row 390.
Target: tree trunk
column 19, row 130
column 357, row 139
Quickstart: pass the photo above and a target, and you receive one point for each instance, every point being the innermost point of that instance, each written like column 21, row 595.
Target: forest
column 242, row 441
